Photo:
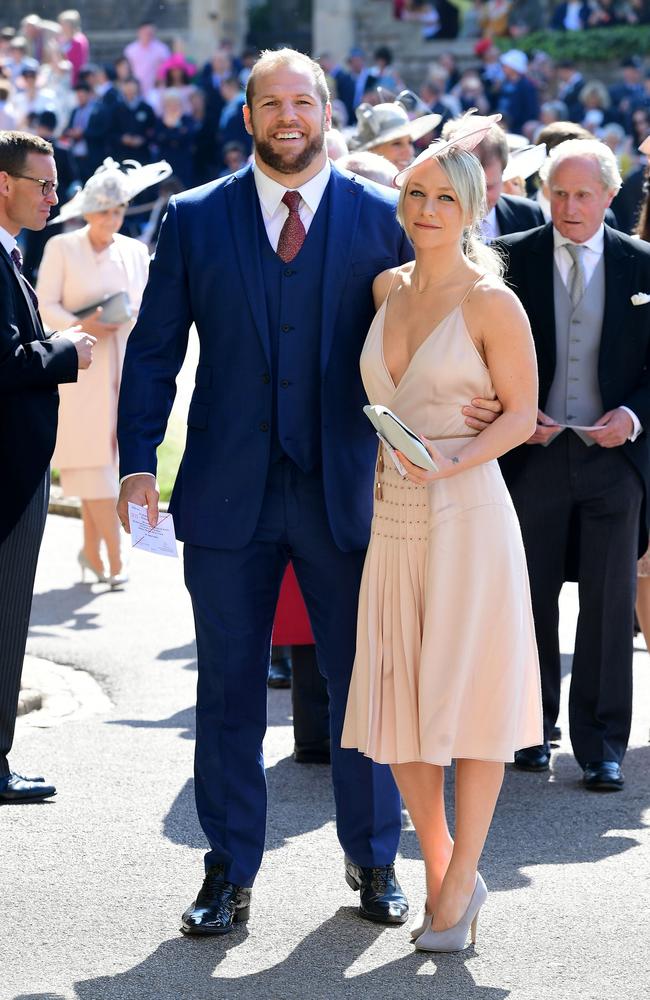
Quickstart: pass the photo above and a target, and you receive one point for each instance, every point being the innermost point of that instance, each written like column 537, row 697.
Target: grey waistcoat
column 574, row 397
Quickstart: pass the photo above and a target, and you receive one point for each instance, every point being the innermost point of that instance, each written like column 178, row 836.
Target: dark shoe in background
column 218, row 906
column 556, row 734
column 280, row 668
column 382, row 899
column 15, row 788
column 603, row 776
column 533, row 758
column 312, row 753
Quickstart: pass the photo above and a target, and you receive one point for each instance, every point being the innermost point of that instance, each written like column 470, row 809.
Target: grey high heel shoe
column 422, row 920
column 87, row 567
column 455, row 938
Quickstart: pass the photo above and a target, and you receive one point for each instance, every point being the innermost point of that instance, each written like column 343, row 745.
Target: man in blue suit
column 274, row 265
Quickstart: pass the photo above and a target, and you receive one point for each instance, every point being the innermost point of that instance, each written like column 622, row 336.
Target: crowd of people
column 441, row 19
column 487, row 321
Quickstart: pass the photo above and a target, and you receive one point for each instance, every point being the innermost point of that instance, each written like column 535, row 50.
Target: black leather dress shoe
column 15, row 788
column 382, row 899
column 556, row 734
column 533, row 758
column 603, row 776
column 312, row 753
column 218, row 906
column 280, row 674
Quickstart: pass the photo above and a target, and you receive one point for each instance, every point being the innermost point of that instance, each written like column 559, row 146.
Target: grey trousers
column 18, row 559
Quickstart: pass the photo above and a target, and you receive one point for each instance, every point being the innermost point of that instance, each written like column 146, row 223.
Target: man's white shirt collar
column 596, row 243
column 271, row 193
column 7, row 240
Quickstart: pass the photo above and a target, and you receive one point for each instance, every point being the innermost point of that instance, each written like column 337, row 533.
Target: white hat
column 381, row 123
column 111, row 185
column 515, row 59
column 468, row 137
column 525, row 162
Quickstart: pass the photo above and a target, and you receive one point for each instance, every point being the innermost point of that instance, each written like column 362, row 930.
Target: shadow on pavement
column 315, row 970
column 56, row 607
column 300, row 801
column 186, row 652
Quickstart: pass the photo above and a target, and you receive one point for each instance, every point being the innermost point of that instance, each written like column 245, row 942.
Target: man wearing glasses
column 32, row 364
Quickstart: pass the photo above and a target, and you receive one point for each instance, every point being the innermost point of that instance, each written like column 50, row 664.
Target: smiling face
column 578, row 198
column 431, row 211
column 399, row 151
column 288, row 120
column 104, row 225
column 24, row 206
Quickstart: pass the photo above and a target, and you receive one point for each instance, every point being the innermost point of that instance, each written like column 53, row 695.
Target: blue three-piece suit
column 278, row 465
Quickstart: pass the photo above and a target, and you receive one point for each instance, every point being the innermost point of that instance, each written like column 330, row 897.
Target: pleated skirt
column 446, row 663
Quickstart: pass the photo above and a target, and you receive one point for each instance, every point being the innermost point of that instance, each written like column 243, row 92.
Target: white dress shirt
column 594, row 248
column 7, row 240
column 275, row 212
column 490, row 226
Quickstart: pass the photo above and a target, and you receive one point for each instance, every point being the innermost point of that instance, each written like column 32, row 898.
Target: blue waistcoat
column 293, row 294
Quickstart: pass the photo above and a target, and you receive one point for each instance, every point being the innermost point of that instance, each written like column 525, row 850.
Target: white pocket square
column 640, row 299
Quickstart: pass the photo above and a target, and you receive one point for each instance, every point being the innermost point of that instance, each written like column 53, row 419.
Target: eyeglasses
column 47, row 186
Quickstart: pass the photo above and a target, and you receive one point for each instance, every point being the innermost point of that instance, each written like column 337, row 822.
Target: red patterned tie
column 293, row 232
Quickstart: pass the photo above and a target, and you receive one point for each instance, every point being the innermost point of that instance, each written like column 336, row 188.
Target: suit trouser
column 309, row 699
column 598, row 493
column 234, row 596
column 18, row 559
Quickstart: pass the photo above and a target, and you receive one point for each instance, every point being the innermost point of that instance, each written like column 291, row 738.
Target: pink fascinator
column 470, row 133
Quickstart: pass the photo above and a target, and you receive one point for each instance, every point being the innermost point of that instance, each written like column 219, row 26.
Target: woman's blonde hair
column 465, row 175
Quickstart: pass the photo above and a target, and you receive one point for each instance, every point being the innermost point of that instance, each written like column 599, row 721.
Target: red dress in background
column 292, row 626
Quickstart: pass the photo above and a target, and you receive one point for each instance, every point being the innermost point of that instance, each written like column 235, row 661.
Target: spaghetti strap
column 470, row 289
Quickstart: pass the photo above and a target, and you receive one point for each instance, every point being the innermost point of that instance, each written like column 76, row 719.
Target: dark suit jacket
column 515, row 215
column 624, row 361
column 207, row 270
column 31, row 366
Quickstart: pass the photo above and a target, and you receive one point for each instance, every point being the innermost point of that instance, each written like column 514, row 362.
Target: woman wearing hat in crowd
column 78, row 270
column 387, row 130
column 446, row 666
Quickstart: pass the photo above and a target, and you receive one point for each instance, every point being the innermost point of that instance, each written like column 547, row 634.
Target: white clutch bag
column 115, row 309
column 400, row 437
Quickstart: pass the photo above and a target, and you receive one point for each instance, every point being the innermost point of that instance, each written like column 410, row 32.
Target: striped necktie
column 17, row 258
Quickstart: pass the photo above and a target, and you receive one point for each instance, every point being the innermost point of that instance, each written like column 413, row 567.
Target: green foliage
column 169, row 456
column 596, row 45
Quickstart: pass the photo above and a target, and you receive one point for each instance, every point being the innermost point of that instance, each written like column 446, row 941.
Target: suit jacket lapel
column 36, row 322
column 345, row 195
column 618, row 281
column 542, row 308
column 242, row 201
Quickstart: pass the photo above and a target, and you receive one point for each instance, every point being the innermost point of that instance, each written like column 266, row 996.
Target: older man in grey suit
column 580, row 485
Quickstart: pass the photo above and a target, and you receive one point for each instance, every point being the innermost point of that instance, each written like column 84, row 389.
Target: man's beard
column 290, row 163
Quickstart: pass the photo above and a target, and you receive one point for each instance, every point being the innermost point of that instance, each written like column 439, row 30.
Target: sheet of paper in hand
column 160, row 540
column 389, row 427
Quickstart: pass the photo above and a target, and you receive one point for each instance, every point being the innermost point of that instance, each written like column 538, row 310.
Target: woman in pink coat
column 80, row 269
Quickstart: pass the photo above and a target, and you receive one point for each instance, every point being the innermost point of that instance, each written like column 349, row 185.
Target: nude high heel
column 87, row 567
column 422, row 921
column 455, row 938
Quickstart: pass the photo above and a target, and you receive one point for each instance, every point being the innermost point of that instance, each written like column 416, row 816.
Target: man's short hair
column 15, row 147
column 555, row 133
column 591, row 149
column 272, row 58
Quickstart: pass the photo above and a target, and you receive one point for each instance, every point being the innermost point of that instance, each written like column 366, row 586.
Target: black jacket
column 624, row 360
column 516, row 215
column 31, row 366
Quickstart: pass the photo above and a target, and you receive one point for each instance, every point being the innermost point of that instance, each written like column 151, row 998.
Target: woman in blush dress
column 80, row 269
column 446, row 666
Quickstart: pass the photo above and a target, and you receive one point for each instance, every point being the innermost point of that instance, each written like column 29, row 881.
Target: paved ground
column 93, row 883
